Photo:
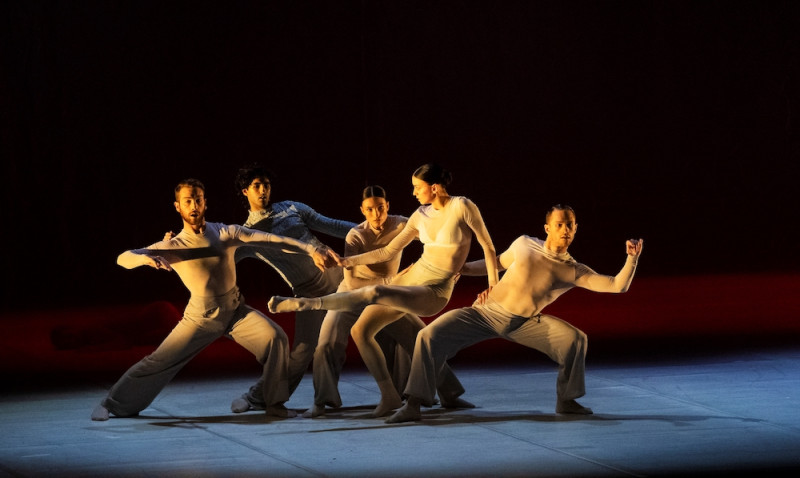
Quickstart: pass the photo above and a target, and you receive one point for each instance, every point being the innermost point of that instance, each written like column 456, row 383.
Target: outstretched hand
column 332, row 259
column 325, row 257
column 634, row 247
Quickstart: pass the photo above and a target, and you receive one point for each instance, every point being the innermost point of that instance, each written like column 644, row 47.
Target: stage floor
column 719, row 413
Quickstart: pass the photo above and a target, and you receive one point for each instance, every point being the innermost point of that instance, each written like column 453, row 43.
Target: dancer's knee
column 280, row 338
column 275, row 341
column 273, row 334
column 324, row 351
column 359, row 334
column 574, row 349
column 430, row 335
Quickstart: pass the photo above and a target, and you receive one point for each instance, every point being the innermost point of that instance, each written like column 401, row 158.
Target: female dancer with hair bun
column 376, row 231
column 445, row 225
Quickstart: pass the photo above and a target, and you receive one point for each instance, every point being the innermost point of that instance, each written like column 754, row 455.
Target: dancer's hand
column 320, row 257
column 484, row 295
column 332, row 259
column 634, row 247
column 325, row 257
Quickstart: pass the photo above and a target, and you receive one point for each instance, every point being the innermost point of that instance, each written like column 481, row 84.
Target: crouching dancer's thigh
column 458, row 328
column 256, row 332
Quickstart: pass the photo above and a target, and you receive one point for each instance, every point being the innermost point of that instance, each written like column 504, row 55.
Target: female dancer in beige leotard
column 445, row 225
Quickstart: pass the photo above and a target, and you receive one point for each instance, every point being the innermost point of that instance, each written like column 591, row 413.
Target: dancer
column 538, row 272
column 376, row 231
column 202, row 255
column 296, row 220
column 445, row 225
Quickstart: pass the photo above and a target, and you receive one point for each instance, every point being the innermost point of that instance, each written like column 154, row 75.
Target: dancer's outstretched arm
column 616, row 284
column 323, row 256
column 385, row 253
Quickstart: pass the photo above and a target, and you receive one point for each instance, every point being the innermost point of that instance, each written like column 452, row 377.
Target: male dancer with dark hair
column 296, row 220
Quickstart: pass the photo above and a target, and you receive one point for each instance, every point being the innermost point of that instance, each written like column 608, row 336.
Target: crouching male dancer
column 202, row 254
column 537, row 273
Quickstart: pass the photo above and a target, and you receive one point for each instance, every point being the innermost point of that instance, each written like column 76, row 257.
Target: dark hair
column 247, row 174
column 188, row 183
column 557, row 207
column 432, row 173
column 373, row 192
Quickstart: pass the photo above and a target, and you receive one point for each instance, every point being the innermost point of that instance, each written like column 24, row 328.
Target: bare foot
column 278, row 304
column 100, row 413
column 315, row 411
column 279, row 410
column 572, row 407
column 243, row 404
column 408, row 413
column 386, row 406
column 456, row 403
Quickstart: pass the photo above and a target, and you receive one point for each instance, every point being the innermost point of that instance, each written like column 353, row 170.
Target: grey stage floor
column 721, row 414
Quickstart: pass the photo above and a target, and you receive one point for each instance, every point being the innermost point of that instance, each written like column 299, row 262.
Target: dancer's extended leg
column 419, row 300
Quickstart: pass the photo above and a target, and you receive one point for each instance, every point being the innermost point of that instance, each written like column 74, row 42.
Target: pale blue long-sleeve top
column 296, row 220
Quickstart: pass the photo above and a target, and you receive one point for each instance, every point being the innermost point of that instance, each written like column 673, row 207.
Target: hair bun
column 433, row 173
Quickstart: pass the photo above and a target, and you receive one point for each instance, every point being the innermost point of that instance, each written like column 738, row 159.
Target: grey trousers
column 331, row 350
column 460, row 328
column 307, row 326
column 205, row 320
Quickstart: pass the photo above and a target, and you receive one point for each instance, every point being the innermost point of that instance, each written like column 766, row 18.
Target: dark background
column 672, row 121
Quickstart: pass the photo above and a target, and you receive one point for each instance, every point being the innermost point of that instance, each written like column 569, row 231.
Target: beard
column 194, row 220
